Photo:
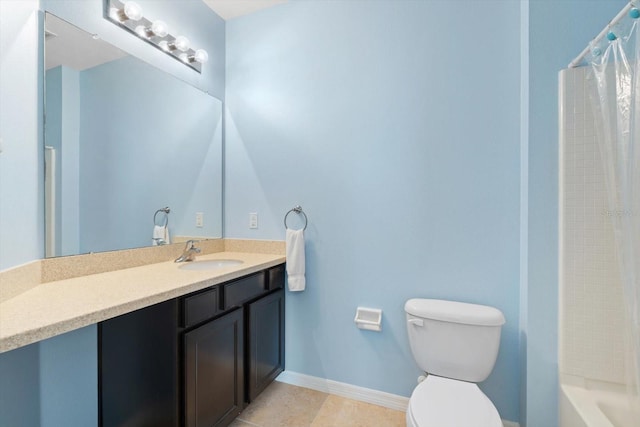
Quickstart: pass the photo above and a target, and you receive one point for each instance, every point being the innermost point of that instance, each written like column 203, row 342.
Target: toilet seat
column 443, row 402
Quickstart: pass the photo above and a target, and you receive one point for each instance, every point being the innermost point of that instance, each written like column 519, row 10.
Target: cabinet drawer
column 276, row 277
column 235, row 293
column 200, row 307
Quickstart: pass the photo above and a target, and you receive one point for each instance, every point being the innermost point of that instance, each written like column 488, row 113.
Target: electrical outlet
column 199, row 219
column 253, row 220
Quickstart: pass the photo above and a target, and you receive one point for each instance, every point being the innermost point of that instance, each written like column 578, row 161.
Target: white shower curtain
column 616, row 104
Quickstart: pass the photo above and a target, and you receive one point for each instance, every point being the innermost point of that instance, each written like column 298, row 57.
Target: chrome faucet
column 189, row 253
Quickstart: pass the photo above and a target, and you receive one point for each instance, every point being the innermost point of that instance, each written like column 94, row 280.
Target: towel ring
column 298, row 210
column 166, row 212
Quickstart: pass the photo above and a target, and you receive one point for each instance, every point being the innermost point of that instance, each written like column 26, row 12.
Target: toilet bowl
column 456, row 344
column 443, row 402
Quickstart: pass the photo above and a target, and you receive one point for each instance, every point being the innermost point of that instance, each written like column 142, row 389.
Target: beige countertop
column 53, row 308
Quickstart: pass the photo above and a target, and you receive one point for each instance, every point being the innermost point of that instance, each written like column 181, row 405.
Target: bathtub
column 597, row 407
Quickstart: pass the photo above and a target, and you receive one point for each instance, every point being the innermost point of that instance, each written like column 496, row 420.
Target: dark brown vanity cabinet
column 265, row 342
column 193, row 361
column 214, row 371
column 137, row 368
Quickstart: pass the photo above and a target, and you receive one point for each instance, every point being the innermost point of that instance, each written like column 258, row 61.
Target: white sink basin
column 211, row 264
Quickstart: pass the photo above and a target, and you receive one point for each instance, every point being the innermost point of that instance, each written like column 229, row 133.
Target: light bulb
column 132, row 10
column 201, row 56
column 181, row 43
column 159, row 28
column 142, row 31
column 114, row 13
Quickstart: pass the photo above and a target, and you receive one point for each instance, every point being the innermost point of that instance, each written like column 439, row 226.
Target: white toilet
column 456, row 344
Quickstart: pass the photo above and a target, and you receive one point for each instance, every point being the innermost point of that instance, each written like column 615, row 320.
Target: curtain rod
column 578, row 60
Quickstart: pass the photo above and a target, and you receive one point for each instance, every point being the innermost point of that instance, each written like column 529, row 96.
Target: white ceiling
column 228, row 9
column 74, row 47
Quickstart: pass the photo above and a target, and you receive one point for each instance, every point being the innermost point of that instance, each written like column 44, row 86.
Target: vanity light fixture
column 128, row 14
column 159, row 28
column 181, row 43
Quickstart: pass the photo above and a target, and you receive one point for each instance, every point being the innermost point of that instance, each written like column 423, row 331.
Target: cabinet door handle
column 416, row 322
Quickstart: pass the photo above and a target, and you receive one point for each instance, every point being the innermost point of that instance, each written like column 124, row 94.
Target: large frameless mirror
column 133, row 155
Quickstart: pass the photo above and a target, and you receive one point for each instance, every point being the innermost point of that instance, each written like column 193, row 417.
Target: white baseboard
column 362, row 394
column 349, row 391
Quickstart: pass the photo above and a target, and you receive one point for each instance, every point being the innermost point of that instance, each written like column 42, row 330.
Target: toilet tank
column 454, row 339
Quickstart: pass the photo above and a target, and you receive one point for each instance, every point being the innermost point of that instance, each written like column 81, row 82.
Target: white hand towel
column 167, row 240
column 160, row 233
column 295, row 260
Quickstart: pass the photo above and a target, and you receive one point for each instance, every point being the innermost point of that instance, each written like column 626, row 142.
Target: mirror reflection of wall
column 124, row 139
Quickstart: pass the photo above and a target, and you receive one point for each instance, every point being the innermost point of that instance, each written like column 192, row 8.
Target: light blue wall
column 19, row 387
column 397, row 129
column 21, row 185
column 160, row 146
column 21, row 230
column 524, row 198
column 558, row 31
column 70, row 162
column 69, row 379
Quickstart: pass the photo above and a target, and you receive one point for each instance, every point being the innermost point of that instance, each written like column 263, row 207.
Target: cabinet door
column 138, row 368
column 213, row 371
column 265, row 342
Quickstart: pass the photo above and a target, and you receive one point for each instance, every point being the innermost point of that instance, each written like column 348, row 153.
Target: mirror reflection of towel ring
column 166, row 212
column 298, row 210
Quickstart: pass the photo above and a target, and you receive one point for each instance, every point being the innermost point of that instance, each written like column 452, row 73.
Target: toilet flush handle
column 417, row 322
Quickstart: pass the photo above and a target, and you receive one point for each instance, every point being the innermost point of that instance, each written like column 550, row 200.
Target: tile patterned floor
column 285, row 405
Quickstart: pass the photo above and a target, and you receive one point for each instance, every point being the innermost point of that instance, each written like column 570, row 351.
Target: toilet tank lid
column 455, row 312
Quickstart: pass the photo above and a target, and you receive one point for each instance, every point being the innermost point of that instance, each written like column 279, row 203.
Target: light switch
column 199, row 219
column 253, row 220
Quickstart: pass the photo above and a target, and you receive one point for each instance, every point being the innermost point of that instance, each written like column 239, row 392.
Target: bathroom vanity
column 176, row 346
column 193, row 360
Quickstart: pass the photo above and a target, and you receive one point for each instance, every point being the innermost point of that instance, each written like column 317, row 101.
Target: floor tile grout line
column 319, row 409
column 248, row 422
